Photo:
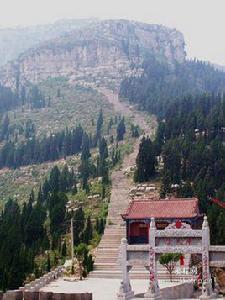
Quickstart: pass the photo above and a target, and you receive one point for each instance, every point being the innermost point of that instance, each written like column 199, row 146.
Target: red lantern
column 178, row 224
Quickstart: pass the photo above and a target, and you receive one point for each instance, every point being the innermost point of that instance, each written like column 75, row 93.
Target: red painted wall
column 139, row 229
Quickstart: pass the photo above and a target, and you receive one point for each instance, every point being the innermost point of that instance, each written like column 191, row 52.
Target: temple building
column 165, row 212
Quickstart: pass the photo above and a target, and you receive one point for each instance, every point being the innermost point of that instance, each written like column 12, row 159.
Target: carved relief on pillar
column 205, row 266
column 153, row 289
column 125, row 290
column 175, row 225
column 152, row 269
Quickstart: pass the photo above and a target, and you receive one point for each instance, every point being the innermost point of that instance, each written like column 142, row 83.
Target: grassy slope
column 76, row 105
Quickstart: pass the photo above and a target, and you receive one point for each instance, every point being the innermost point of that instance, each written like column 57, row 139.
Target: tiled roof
column 162, row 208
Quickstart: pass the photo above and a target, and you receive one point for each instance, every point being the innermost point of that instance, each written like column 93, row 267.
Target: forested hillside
column 191, row 140
column 29, row 95
column 162, row 83
column 33, row 238
column 188, row 99
column 38, row 230
column 194, row 155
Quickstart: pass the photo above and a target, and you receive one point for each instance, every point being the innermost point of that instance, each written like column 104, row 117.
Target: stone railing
column 217, row 256
column 139, row 255
column 39, row 283
column 30, row 291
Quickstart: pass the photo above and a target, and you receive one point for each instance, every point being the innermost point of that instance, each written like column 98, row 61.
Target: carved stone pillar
column 125, row 291
column 206, row 276
column 153, row 289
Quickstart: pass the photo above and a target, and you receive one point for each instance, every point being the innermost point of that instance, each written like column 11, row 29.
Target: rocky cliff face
column 14, row 41
column 106, row 49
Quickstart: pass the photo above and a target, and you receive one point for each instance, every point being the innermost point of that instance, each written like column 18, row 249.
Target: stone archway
column 157, row 245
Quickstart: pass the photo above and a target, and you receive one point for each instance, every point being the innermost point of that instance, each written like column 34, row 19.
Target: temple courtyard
column 102, row 289
column 106, row 289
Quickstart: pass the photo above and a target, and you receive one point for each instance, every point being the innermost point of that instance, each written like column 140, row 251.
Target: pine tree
column 64, row 179
column 99, row 124
column 79, row 223
column 54, row 179
column 48, row 263
column 145, row 161
column 5, row 126
column 110, row 124
column 102, row 163
column 85, row 155
column 101, row 226
column 88, row 232
column 97, row 224
column 64, row 249
column 121, row 130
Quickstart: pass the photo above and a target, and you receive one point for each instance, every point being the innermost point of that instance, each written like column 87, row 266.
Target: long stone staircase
column 106, row 261
column 106, row 265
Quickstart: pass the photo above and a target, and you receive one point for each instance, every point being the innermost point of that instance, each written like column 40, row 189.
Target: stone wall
column 43, row 281
column 31, row 291
column 181, row 291
column 34, row 295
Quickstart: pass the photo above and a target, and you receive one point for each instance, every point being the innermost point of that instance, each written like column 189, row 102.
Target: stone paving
column 102, row 289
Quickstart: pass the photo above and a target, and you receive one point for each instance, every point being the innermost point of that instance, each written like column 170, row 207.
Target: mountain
column 14, row 41
column 103, row 50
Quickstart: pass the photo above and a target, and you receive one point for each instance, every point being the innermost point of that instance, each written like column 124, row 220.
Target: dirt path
column 120, row 183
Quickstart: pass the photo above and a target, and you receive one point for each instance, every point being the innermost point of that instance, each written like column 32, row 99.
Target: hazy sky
column 201, row 21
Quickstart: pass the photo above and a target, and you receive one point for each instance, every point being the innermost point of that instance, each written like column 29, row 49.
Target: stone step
column 103, row 246
column 135, row 275
column 104, row 255
column 111, row 237
column 106, row 260
column 115, row 230
column 110, row 241
column 105, row 268
column 107, row 251
column 107, row 245
column 115, row 237
column 109, row 267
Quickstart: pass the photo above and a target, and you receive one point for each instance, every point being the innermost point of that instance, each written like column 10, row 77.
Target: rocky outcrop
column 107, row 49
column 14, row 41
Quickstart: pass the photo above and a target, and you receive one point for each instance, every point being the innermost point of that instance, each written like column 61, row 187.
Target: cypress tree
column 145, row 161
column 99, row 124
column 64, row 249
column 121, row 130
column 48, row 263
column 88, row 232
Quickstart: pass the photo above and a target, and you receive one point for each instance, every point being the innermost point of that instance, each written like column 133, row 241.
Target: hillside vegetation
column 188, row 152
column 162, row 84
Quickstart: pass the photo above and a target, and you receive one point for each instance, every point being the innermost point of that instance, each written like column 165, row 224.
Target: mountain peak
column 109, row 48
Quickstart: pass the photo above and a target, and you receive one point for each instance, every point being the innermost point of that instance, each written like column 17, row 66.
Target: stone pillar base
column 125, row 296
column 125, row 291
column 204, row 297
column 150, row 296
